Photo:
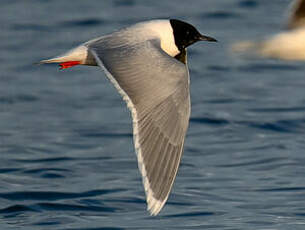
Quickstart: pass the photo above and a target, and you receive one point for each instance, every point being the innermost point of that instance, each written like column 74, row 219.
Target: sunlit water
column 66, row 155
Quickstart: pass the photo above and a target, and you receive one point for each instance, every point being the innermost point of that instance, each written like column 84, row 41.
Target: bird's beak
column 206, row 38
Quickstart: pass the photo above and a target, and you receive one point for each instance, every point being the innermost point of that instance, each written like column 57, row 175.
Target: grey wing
column 297, row 18
column 156, row 89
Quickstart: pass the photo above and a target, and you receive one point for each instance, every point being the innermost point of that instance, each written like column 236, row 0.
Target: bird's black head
column 185, row 34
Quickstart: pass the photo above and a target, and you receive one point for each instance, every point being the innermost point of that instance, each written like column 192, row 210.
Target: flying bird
column 287, row 45
column 147, row 64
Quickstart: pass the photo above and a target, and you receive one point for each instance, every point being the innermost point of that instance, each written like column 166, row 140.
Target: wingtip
column 154, row 210
column 154, row 206
column 47, row 61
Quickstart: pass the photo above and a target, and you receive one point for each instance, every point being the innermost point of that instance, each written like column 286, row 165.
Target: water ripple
column 8, row 170
column 219, row 68
column 285, row 126
column 17, row 208
column 129, row 200
column 101, row 228
column 30, row 27
column 109, row 135
column 42, row 170
column 255, row 162
column 208, row 120
column 83, row 22
column 60, row 159
column 46, row 195
column 12, row 99
column 255, row 68
column 300, row 214
column 248, row 4
column 292, row 126
column 52, row 175
column 73, row 207
column 49, row 159
column 124, row 3
column 282, row 189
column 55, row 207
column 278, row 110
column 191, row 214
column 220, row 15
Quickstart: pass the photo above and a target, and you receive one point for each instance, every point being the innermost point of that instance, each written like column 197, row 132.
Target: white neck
column 163, row 30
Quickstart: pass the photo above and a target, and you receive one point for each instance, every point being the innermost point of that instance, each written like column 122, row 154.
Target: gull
column 147, row 64
column 287, row 45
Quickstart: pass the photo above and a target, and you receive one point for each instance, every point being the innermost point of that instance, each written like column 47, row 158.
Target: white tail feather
column 79, row 53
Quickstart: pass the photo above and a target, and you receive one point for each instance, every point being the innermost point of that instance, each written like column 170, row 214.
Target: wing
column 156, row 89
column 297, row 18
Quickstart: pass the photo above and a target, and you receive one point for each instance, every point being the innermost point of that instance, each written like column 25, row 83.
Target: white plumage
column 287, row 45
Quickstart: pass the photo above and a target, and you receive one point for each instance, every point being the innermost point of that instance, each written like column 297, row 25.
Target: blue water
column 66, row 155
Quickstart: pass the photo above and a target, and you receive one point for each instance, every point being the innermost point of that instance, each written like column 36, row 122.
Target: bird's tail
column 77, row 56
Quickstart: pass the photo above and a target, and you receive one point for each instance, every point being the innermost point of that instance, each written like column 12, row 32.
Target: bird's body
column 147, row 64
column 287, row 45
